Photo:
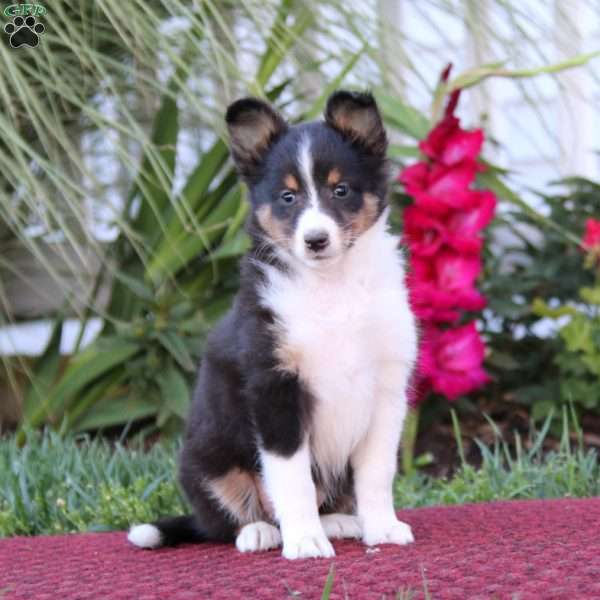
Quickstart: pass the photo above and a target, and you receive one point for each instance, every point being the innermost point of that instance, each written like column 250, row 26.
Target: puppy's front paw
column 308, row 546
column 389, row 531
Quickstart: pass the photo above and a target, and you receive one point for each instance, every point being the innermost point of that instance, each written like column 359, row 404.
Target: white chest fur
column 347, row 331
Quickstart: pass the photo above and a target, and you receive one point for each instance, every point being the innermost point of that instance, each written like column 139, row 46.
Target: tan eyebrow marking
column 291, row 182
column 334, row 176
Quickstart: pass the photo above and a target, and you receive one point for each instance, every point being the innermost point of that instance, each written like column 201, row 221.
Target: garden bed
column 77, row 484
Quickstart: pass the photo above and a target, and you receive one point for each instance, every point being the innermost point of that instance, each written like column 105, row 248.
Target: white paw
column 308, row 546
column 258, row 536
column 389, row 531
column 338, row 526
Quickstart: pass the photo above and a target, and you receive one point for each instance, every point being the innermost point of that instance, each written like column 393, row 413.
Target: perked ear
column 253, row 127
column 356, row 116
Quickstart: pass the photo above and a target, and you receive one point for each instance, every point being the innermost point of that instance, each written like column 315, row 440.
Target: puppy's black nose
column 316, row 240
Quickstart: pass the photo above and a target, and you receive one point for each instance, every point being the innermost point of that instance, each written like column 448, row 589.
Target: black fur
column 180, row 530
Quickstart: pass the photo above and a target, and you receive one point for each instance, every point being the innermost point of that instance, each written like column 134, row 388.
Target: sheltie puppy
column 293, row 433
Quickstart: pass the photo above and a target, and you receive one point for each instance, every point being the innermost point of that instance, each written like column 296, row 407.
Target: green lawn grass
column 57, row 485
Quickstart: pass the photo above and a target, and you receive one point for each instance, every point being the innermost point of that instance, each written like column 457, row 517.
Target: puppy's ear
column 356, row 116
column 253, row 126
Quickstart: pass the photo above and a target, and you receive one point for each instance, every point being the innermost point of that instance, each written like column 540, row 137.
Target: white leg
column 374, row 463
column 289, row 484
column 258, row 536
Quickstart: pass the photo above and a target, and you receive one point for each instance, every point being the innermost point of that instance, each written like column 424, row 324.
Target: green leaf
column 541, row 309
column 402, row 116
column 170, row 258
column 334, row 84
column 203, row 175
column 236, row 246
column 84, row 368
column 116, row 411
column 503, row 360
column 173, row 249
column 541, row 409
column 174, row 391
column 177, row 349
column 399, row 151
column 158, row 164
column 105, row 387
column 281, row 38
column 138, row 287
column 328, row 584
column 478, row 74
column 592, row 362
column 578, row 334
column 491, row 181
column 590, row 295
column 44, row 372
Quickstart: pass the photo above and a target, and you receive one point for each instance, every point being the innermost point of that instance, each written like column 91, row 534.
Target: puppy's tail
column 170, row 531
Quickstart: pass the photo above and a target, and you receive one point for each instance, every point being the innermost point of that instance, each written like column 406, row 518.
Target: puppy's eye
column 287, row 197
column 341, row 190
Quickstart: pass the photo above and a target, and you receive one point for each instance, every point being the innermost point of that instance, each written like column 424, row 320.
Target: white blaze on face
column 313, row 218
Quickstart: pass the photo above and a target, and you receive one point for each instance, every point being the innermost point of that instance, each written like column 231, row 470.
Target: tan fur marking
column 291, row 182
column 265, row 501
column 287, row 355
column 334, row 176
column 239, row 495
column 366, row 216
column 288, row 358
column 273, row 228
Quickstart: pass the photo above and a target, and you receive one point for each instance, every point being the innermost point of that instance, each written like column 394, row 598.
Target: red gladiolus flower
column 450, row 184
column 449, row 144
column 463, row 226
column 445, row 284
column 443, row 232
column 423, row 234
column 434, row 144
column 433, row 314
column 414, row 178
column 591, row 239
column 437, row 189
column 462, row 145
column 456, row 272
column 451, row 361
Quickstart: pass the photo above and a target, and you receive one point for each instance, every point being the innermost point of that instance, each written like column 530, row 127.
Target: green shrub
column 533, row 363
column 578, row 357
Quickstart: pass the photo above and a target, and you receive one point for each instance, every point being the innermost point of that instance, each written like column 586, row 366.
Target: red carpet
column 525, row 550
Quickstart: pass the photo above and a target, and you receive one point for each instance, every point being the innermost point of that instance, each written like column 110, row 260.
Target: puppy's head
column 315, row 188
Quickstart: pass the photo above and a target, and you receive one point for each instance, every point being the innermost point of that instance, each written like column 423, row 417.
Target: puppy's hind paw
column 258, row 536
column 337, row 526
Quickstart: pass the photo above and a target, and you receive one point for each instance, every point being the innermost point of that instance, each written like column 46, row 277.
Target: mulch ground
column 521, row 549
column 437, row 437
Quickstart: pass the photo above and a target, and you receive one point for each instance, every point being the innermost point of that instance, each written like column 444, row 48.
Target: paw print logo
column 24, row 32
